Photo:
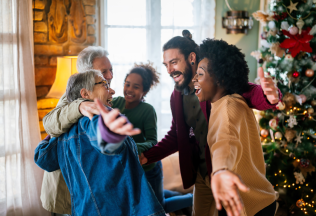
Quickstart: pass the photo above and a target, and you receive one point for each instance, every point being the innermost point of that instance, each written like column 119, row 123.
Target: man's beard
column 187, row 77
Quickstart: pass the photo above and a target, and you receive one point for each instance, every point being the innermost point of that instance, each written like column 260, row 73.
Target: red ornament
column 304, row 163
column 295, row 74
column 278, row 17
column 298, row 42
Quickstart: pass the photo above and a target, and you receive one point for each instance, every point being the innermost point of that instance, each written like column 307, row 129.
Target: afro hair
column 226, row 64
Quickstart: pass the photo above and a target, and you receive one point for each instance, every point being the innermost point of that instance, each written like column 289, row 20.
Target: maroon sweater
column 178, row 138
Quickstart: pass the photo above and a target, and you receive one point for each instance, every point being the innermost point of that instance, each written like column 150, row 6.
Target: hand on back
column 88, row 109
column 116, row 124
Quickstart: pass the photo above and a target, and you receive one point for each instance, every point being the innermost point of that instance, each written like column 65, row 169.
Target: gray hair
column 78, row 81
column 87, row 56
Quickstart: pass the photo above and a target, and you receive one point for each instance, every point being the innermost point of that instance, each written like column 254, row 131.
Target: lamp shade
column 66, row 66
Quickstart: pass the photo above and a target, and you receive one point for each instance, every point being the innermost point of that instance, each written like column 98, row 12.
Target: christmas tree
column 288, row 134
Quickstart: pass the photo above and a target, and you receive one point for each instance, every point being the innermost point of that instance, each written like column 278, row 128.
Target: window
column 135, row 31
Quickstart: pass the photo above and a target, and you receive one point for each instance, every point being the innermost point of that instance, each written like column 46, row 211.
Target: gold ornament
column 276, row 50
column 292, row 6
column 256, row 54
column 300, row 23
column 309, row 73
column 262, row 17
column 273, row 123
column 280, row 105
column 264, row 133
column 278, row 135
column 300, row 55
column 289, row 100
column 300, row 203
column 304, row 170
column 273, row 32
column 310, row 110
column 268, row 58
column 290, row 134
column 313, row 103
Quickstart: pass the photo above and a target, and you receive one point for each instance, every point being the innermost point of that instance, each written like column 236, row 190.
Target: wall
column 247, row 43
column 61, row 28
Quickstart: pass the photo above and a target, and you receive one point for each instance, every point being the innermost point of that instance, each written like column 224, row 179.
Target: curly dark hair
column 148, row 73
column 226, row 64
column 185, row 44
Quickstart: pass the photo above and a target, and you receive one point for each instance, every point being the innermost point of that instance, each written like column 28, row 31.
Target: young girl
column 233, row 133
column 138, row 83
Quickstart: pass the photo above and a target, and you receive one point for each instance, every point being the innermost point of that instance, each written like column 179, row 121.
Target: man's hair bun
column 187, row 34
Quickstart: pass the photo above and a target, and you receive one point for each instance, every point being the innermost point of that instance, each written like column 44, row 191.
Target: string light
column 307, row 196
column 287, row 150
column 299, row 187
column 284, row 186
column 306, row 185
column 298, row 160
column 293, row 184
column 280, row 171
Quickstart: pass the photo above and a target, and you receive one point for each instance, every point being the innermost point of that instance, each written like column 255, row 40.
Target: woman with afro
column 233, row 134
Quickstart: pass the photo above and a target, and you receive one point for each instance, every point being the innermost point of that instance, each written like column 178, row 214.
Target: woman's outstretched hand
column 225, row 187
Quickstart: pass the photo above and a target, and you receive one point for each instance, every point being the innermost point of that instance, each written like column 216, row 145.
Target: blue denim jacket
column 103, row 178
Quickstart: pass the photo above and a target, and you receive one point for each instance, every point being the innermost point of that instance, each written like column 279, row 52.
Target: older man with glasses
column 55, row 195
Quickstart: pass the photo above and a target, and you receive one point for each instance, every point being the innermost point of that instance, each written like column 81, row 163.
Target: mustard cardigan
column 233, row 138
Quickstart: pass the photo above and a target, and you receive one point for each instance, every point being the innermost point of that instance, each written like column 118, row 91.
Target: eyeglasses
column 104, row 82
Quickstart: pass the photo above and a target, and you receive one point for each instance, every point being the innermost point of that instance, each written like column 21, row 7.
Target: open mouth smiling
column 175, row 74
column 197, row 90
column 129, row 95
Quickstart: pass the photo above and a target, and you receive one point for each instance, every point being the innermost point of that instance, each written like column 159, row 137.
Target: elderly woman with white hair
column 98, row 161
column 55, row 196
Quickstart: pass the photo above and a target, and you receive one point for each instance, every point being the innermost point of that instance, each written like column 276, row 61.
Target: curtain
column 20, row 178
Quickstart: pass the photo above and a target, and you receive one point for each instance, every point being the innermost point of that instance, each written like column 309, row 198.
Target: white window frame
column 154, row 27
